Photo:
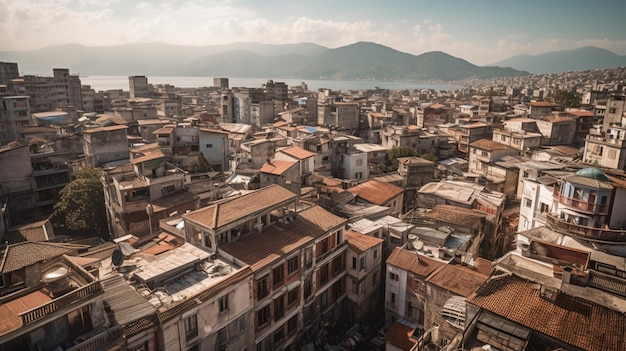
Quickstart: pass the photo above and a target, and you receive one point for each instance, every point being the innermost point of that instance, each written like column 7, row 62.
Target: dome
column 593, row 173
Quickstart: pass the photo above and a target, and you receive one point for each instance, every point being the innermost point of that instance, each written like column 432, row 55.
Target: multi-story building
column 49, row 93
column 138, row 87
column 614, row 111
column 469, row 133
column 483, row 159
column 339, row 114
column 8, row 71
column 103, row 145
column 304, row 158
column 140, row 193
column 364, row 275
column 297, row 258
column 14, row 115
column 381, row 194
column 607, row 148
column 49, row 301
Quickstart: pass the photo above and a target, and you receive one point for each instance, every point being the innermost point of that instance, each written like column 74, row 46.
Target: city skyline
column 480, row 32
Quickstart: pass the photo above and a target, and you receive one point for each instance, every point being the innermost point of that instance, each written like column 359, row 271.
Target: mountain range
column 581, row 59
column 362, row 60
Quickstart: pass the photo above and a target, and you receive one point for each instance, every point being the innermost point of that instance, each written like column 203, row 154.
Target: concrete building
column 304, row 158
column 138, row 87
column 354, row 166
column 104, row 145
column 364, row 275
column 8, row 71
column 606, row 148
column 487, row 159
column 297, row 258
column 14, row 116
column 220, row 83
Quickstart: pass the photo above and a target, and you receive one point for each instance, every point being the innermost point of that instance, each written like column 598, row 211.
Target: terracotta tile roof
column 261, row 249
column 458, row 279
column 38, row 231
column 582, row 113
column 414, row 160
column 361, row 242
column 104, row 129
column 220, row 214
column 10, row 311
column 557, row 119
column 376, row 192
column 322, row 218
column 24, row 254
column 475, row 125
column 413, row 262
column 457, row 215
column 145, row 122
column 490, row 145
column 400, row 336
column 277, row 167
column 540, row 104
column 164, row 130
column 573, row 320
column 297, row 152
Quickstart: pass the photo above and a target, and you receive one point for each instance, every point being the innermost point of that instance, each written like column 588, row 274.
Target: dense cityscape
column 274, row 217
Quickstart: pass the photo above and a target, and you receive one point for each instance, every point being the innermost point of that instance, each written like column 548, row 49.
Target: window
column 292, row 296
column 544, row 207
column 209, row 146
column 308, row 288
column 293, row 265
column 393, row 276
column 337, row 265
column 324, row 299
column 223, row 301
column 324, row 274
column 612, row 154
column 363, row 265
column 308, row 257
column 279, row 307
column 263, row 316
column 262, row 287
column 353, row 262
column 265, row 345
column 222, row 337
column 241, row 324
column 528, row 202
column 79, row 321
column 375, row 253
column 279, row 336
column 191, row 327
column 292, row 324
column 393, row 298
column 277, row 275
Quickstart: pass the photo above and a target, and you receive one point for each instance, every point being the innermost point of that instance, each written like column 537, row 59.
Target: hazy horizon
column 481, row 32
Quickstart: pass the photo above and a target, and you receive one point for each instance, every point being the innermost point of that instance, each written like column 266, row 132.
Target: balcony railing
column 580, row 204
column 590, row 233
column 607, row 282
column 77, row 295
column 92, row 344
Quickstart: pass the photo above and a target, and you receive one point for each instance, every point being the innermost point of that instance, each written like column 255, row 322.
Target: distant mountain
column 581, row 59
column 361, row 60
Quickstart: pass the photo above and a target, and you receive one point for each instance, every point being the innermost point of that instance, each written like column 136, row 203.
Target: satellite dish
column 126, row 249
column 117, row 258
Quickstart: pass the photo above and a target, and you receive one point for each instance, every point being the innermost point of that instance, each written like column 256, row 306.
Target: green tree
column 391, row 164
column 203, row 164
column 81, row 210
column 564, row 98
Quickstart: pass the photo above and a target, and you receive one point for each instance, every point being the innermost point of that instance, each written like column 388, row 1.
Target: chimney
column 567, row 275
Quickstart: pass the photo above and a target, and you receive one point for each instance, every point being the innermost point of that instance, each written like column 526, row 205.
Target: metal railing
column 580, row 204
column 591, row 233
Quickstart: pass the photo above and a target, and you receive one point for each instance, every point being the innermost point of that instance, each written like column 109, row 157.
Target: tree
column 564, row 99
column 391, row 165
column 81, row 210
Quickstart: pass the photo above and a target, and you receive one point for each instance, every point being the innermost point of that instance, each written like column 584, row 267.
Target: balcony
column 82, row 294
column 581, row 205
column 589, row 233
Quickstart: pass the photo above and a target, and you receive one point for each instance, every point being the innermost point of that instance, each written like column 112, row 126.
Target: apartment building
column 607, row 148
column 138, row 87
column 364, row 259
column 104, row 145
column 298, row 260
column 14, row 116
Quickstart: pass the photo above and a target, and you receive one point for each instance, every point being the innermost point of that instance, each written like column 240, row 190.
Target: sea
column 121, row 82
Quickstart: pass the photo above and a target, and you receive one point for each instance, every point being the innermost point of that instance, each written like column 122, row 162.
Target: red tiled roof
column 322, row 218
column 361, row 242
column 376, row 192
column 261, row 249
column 24, row 254
column 458, row 279
column 582, row 113
column 10, row 310
column 413, row 262
column 104, row 129
column 217, row 215
column 540, row 104
column 573, row 320
column 490, row 145
column 277, row 167
column 297, row 152
column 401, row 336
column 557, row 119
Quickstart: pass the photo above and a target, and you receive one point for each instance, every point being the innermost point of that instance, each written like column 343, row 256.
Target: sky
column 479, row 31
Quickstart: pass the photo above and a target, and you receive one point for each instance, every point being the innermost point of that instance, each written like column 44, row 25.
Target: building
column 14, row 116
column 8, row 71
column 381, row 194
column 364, row 260
column 487, row 159
column 138, row 87
column 606, row 148
column 104, row 145
column 304, row 158
column 45, row 290
column 298, row 260
column 283, row 173
column 220, row 82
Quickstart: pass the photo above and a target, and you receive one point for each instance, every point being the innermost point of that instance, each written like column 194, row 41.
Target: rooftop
column 401, row 336
column 460, row 280
column 223, row 213
column 297, row 152
column 573, row 320
column 489, row 145
column 376, row 192
column 277, row 167
column 361, row 242
column 413, row 262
